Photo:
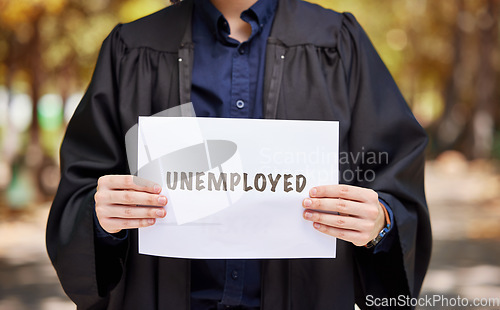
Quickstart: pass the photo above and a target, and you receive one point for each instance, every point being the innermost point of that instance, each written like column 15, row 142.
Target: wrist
column 383, row 228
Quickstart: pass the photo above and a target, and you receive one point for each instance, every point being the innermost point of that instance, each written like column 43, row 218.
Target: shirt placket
column 239, row 106
column 235, row 280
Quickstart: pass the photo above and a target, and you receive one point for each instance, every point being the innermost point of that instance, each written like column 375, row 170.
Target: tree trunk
column 485, row 105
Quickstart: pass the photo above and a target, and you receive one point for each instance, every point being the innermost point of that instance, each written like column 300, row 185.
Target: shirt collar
column 264, row 10
column 261, row 12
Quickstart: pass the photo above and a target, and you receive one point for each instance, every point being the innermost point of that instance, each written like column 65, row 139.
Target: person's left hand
column 360, row 215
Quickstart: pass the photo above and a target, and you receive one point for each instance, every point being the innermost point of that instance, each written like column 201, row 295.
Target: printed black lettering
column 274, row 182
column 288, row 184
column 199, row 181
column 235, row 180
column 217, row 183
column 246, row 188
column 300, row 183
column 256, row 182
column 172, row 185
column 187, row 181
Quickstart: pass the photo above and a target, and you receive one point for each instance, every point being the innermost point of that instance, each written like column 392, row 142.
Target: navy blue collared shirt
column 228, row 76
column 227, row 81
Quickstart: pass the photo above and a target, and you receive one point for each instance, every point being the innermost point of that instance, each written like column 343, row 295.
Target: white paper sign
column 235, row 186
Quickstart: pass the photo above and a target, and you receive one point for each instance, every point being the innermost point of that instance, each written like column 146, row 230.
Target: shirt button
column 240, row 104
column 234, row 274
column 241, row 50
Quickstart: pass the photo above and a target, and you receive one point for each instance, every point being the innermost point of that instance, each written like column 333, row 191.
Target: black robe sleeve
column 93, row 146
column 382, row 123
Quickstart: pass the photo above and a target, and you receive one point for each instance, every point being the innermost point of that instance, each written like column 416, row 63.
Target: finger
column 113, row 225
column 343, row 191
column 137, row 212
column 334, row 205
column 339, row 221
column 136, row 198
column 131, row 182
column 356, row 237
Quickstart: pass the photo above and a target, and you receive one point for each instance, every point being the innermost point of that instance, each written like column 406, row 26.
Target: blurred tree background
column 444, row 55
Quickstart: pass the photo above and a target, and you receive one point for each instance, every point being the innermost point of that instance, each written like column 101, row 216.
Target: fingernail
column 162, row 200
column 308, row 215
column 151, row 221
column 157, row 188
column 316, row 225
column 307, row 202
column 313, row 192
column 160, row 213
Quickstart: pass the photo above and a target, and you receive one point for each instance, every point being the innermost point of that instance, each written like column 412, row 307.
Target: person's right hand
column 127, row 201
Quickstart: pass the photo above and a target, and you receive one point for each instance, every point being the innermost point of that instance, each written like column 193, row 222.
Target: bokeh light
column 50, row 111
column 20, row 111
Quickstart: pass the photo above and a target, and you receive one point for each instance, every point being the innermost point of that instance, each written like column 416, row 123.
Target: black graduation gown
column 320, row 65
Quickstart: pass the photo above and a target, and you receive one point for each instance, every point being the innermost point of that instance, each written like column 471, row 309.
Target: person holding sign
column 276, row 59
